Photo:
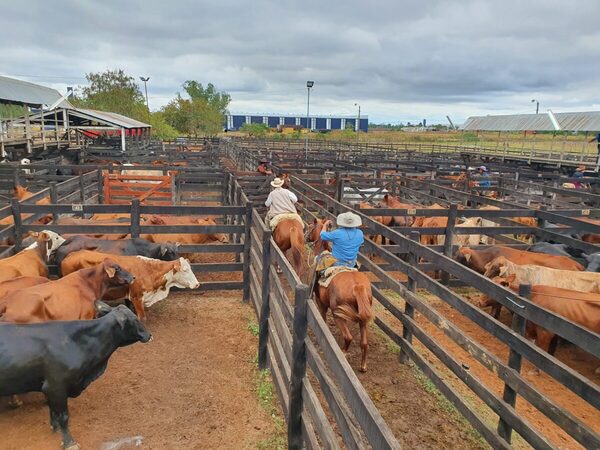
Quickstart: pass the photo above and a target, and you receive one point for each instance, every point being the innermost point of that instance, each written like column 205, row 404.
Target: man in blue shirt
column 485, row 177
column 346, row 240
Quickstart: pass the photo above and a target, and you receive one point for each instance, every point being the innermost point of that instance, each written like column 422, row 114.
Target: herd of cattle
column 564, row 280
column 56, row 336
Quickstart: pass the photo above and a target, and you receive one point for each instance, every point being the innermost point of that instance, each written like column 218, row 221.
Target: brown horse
column 348, row 296
column 288, row 235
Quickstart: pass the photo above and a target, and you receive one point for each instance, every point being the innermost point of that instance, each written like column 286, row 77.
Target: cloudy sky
column 400, row 60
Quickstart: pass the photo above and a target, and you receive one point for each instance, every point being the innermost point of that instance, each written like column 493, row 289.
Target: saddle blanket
column 330, row 273
column 287, row 216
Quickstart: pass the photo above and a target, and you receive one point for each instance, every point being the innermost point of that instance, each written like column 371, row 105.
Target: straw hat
column 349, row 220
column 277, row 182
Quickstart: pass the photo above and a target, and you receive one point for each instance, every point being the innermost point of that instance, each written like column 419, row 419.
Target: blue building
column 317, row 123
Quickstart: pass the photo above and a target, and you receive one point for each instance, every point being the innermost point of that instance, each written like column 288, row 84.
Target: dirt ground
column 192, row 387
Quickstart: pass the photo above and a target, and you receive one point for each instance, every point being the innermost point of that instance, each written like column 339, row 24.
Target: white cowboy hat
column 348, row 220
column 277, row 182
column 483, row 168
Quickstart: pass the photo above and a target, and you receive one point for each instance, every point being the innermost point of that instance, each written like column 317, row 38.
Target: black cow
column 558, row 250
column 124, row 247
column 61, row 359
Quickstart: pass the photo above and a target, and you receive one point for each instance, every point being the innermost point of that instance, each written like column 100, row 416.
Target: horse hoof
column 363, row 369
column 73, row 446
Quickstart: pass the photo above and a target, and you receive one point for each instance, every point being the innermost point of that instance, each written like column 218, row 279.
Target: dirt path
column 192, row 387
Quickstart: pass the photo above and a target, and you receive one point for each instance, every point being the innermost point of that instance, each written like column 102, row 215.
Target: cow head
column 168, row 252
column 52, row 240
column 183, row 276
column 115, row 274
column 496, row 268
column 463, row 256
column 132, row 330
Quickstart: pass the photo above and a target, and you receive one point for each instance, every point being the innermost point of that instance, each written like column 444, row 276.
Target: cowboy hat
column 277, row 182
column 482, row 168
column 348, row 220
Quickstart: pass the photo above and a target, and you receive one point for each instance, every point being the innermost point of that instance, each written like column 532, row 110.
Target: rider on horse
column 280, row 200
column 346, row 240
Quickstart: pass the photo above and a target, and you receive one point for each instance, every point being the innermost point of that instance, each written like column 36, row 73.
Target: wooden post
column 54, row 199
column 135, row 218
column 107, row 187
column 28, row 130
column 408, row 308
column 298, row 372
column 452, row 213
column 100, row 176
column 43, row 126
column 16, row 210
column 81, row 190
column 246, row 271
column 265, row 308
column 174, row 189
column 514, row 362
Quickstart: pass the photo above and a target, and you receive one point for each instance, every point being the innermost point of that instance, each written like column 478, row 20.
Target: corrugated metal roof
column 18, row 91
column 113, row 118
column 570, row 121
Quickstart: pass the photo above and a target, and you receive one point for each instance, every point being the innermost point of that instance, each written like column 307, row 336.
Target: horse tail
column 297, row 249
column 363, row 302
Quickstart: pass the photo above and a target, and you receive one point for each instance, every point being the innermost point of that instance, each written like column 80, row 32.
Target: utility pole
column 309, row 84
column 145, row 80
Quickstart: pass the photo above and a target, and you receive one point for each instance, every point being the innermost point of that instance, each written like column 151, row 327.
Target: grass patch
column 447, row 406
column 253, row 327
column 265, row 391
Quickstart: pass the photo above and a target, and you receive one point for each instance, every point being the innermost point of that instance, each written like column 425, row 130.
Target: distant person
column 264, row 167
column 597, row 139
column 485, row 177
column 579, row 173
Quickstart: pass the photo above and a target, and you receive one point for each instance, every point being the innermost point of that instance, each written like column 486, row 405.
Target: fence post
column 81, row 190
column 246, row 272
column 18, row 228
column 265, row 308
column 295, row 439
column 100, row 187
column 452, row 213
column 54, row 199
column 514, row 362
column 412, row 286
column 135, row 218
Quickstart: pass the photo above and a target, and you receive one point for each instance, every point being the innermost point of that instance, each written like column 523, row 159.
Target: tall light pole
column 145, row 80
column 357, row 123
column 537, row 105
column 309, row 84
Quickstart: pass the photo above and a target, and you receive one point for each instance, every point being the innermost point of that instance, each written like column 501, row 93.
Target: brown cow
column 153, row 278
column 84, row 222
column 69, row 298
column 8, row 286
column 392, row 202
column 582, row 308
column 184, row 238
column 33, row 260
column 478, row 259
column 384, row 220
column 432, row 222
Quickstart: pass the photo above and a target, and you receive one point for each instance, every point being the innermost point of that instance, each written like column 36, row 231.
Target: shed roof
column 18, row 91
column 569, row 121
column 111, row 117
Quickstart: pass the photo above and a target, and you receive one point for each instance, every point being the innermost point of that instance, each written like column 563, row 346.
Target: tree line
column 198, row 111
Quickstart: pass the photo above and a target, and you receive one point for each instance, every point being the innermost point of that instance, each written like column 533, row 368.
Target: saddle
column 281, row 217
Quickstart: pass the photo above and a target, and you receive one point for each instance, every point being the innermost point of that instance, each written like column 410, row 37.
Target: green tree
column 113, row 91
column 160, row 128
column 203, row 113
column 255, row 129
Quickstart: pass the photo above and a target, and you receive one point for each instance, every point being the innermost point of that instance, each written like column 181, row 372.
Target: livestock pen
column 450, row 348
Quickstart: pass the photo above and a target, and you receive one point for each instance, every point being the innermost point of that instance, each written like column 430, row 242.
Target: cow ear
column 177, row 244
column 45, row 236
column 467, row 257
column 163, row 251
column 503, row 270
column 110, row 271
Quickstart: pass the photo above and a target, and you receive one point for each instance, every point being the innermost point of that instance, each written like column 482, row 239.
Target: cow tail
column 297, row 249
column 363, row 302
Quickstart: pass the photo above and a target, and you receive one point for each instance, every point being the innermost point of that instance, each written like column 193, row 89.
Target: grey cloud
column 456, row 56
